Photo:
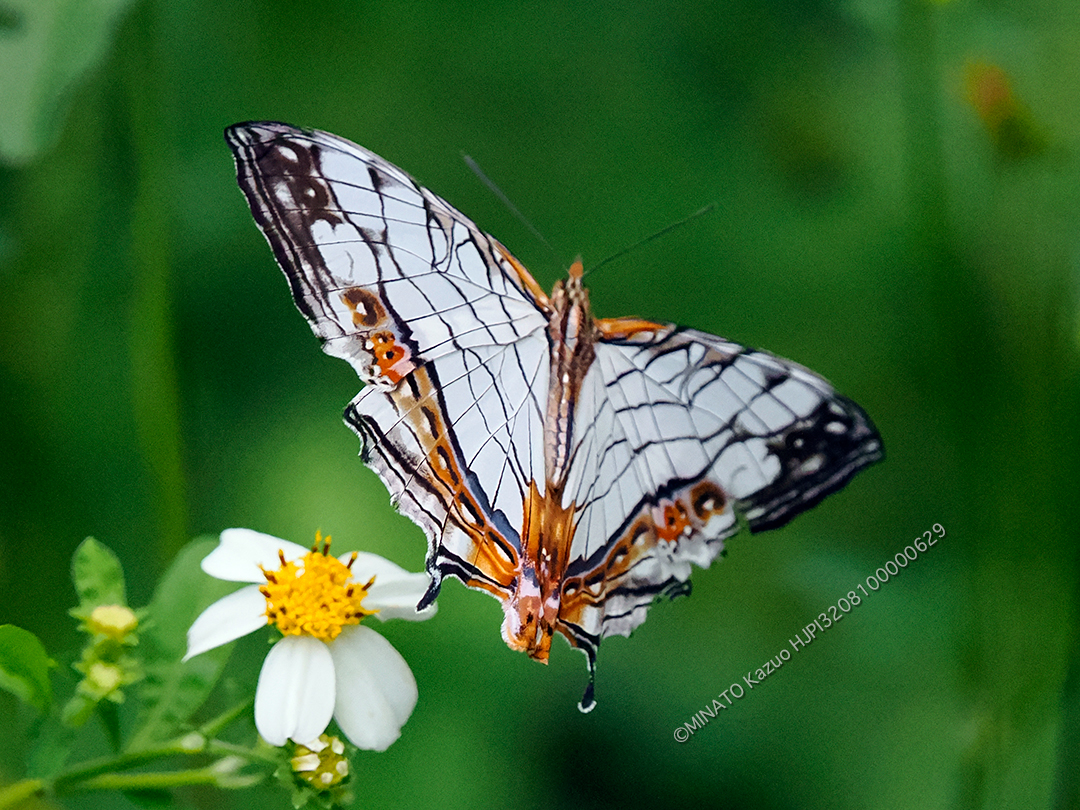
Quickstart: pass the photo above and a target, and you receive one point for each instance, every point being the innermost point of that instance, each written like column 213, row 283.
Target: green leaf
column 98, row 575
column 46, row 46
column 172, row 691
column 24, row 667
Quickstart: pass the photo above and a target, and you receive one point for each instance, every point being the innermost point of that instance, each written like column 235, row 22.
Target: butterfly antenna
column 498, row 192
column 706, row 210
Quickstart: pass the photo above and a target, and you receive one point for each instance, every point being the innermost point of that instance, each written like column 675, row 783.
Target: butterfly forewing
column 361, row 243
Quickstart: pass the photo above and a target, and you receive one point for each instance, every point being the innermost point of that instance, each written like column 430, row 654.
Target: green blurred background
column 898, row 208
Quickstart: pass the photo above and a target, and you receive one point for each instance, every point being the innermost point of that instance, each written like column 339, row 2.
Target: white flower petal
column 370, row 565
column 295, row 695
column 378, row 690
column 232, row 616
column 397, row 598
column 395, row 592
column 315, row 745
column 241, row 551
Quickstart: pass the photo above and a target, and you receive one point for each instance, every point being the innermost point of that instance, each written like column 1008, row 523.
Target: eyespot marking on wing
column 389, row 353
column 707, row 500
column 367, row 310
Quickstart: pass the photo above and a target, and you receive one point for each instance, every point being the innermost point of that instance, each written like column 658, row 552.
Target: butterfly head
column 570, row 290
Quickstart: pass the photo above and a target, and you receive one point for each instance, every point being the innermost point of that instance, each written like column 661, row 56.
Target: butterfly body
column 573, row 467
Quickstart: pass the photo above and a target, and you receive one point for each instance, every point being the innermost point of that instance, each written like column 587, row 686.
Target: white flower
column 326, row 665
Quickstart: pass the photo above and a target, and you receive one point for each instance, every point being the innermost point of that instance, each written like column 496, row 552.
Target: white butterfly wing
column 339, row 217
column 462, row 482
column 685, row 434
column 433, row 314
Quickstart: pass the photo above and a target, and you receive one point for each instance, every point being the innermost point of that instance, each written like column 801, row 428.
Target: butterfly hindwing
column 461, row 480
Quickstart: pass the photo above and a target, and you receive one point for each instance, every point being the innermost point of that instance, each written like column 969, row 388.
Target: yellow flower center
column 314, row 595
column 321, row 763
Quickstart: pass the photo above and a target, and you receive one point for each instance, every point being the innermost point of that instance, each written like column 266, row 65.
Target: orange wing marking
column 525, row 277
column 392, row 357
column 632, row 329
column 671, row 520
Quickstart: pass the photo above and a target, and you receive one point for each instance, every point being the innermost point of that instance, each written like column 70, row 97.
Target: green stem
column 212, row 727
column 197, row 742
column 250, row 754
column 181, row 746
column 155, row 781
column 148, row 781
column 154, row 387
column 13, row 794
column 101, row 774
column 95, row 767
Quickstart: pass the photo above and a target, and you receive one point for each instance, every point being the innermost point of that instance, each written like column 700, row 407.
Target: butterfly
column 573, row 467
